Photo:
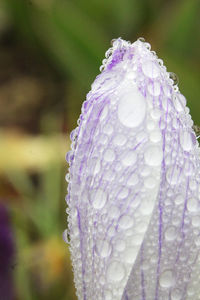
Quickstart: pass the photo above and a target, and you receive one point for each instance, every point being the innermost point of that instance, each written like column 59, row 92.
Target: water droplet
column 113, row 41
column 130, row 254
column 154, row 88
column 67, row 177
column 146, row 207
column 167, row 279
column 150, row 182
column 174, row 174
column 196, row 221
column 155, row 136
column 186, row 140
column 179, row 199
column 113, row 212
column 119, row 140
column 98, row 198
column 115, row 271
column 176, row 294
column 192, row 205
column 170, row 233
column 141, row 39
column 132, row 108
column 123, row 193
column 153, row 156
column 109, row 155
column 125, row 222
column 174, row 77
column 133, row 180
column 108, row 129
column 129, row 158
column 66, row 236
column 103, row 248
column 120, row 245
column 150, row 69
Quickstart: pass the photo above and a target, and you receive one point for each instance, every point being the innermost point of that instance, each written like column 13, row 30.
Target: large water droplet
column 167, row 279
column 186, row 140
column 115, row 271
column 103, row 248
column 174, row 77
column 98, row 198
column 170, row 233
column 192, row 205
column 132, row 108
column 173, row 174
column 129, row 158
column 119, row 140
column 125, row 222
column 133, row 180
column 150, row 69
column 113, row 212
column 130, row 254
column 153, row 156
column 120, row 245
column 109, row 155
column 155, row 136
column 196, row 221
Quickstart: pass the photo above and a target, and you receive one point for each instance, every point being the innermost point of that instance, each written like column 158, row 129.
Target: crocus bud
column 133, row 193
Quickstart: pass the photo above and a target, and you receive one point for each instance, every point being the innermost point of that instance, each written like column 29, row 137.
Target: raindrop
column 153, row 156
column 167, row 279
column 115, row 271
column 103, row 248
column 170, row 233
column 125, row 222
column 174, row 77
column 66, row 236
column 141, row 39
column 98, row 198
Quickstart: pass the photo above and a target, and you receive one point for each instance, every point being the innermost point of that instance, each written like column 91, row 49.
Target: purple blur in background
column 6, row 255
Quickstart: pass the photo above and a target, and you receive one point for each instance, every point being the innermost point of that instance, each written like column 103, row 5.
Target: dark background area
column 50, row 53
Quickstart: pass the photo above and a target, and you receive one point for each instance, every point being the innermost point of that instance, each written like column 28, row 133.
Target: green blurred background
column 50, row 53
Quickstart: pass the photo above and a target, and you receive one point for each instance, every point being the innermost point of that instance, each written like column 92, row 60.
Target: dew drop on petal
column 196, row 221
column 98, row 198
column 120, row 245
column 119, row 140
column 129, row 158
column 167, row 279
column 153, row 156
column 115, row 271
column 133, row 180
column 173, row 174
column 125, row 222
column 170, row 233
column 155, row 136
column 192, row 205
column 179, row 199
column 132, row 108
column 103, row 248
column 150, row 69
column 113, row 212
column 186, row 141
column 109, row 155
